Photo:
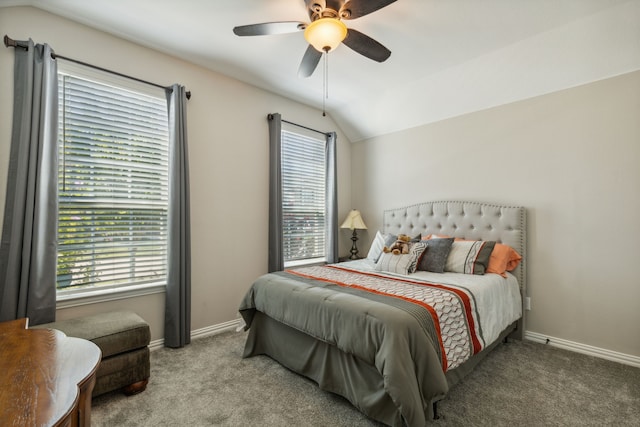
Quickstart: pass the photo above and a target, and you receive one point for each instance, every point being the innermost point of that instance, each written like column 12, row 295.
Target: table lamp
column 354, row 222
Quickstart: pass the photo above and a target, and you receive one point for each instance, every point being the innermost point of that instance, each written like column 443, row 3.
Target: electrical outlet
column 527, row 303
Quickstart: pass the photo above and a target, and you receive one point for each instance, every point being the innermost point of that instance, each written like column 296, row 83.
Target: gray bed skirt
column 338, row 372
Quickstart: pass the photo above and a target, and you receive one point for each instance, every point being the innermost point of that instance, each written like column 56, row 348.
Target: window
column 112, row 183
column 303, row 197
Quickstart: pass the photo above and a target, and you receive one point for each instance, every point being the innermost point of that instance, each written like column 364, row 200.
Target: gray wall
column 573, row 159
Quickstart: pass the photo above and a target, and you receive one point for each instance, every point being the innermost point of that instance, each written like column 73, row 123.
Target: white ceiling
column 449, row 57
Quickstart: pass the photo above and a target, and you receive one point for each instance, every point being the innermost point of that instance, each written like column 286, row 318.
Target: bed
column 385, row 340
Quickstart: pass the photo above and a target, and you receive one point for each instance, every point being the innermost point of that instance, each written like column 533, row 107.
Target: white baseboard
column 203, row 332
column 216, row 329
column 602, row 353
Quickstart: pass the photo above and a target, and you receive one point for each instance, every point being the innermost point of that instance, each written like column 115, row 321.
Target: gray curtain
column 276, row 260
column 177, row 323
column 276, row 257
column 332, row 199
column 28, row 251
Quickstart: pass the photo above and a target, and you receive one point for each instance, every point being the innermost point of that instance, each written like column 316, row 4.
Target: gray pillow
column 434, row 258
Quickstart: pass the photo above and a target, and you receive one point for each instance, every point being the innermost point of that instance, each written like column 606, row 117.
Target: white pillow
column 469, row 257
column 402, row 264
column 379, row 242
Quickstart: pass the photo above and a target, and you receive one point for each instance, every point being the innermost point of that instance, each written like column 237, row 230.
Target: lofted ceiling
column 449, row 57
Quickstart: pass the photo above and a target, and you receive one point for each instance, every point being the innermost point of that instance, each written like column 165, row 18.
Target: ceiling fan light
column 325, row 34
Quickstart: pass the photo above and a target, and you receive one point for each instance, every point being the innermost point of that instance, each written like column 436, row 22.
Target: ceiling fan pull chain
column 325, row 83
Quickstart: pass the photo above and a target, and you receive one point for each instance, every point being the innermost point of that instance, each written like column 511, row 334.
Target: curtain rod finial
column 8, row 41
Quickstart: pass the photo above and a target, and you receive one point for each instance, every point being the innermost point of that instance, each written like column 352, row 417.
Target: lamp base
column 354, row 247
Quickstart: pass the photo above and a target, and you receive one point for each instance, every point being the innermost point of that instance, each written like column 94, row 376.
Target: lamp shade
column 325, row 34
column 354, row 221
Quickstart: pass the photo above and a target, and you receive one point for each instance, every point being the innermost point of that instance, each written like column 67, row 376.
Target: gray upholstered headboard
column 469, row 220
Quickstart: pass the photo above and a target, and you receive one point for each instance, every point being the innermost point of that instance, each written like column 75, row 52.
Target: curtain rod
column 9, row 42
column 304, row 127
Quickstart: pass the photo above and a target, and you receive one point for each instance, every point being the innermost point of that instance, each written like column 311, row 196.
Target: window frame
column 322, row 141
column 93, row 294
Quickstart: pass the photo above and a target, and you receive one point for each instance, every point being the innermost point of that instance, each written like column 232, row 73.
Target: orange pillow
column 503, row 258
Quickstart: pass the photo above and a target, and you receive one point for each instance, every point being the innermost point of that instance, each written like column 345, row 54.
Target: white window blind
column 113, row 184
column 303, row 197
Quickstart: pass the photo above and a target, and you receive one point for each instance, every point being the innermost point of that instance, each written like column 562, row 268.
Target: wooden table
column 46, row 378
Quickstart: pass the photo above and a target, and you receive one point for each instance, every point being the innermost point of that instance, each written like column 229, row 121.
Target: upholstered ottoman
column 123, row 337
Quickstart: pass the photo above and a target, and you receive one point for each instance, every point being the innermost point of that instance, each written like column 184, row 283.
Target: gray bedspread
column 396, row 336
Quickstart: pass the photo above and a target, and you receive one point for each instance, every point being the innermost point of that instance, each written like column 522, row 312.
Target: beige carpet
column 518, row 384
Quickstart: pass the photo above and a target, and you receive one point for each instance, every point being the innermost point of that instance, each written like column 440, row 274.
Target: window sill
column 68, row 299
column 305, row 262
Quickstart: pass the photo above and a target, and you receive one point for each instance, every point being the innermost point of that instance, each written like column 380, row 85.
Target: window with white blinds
column 303, row 197
column 112, row 183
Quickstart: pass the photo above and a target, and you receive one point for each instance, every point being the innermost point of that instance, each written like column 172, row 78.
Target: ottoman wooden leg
column 135, row 388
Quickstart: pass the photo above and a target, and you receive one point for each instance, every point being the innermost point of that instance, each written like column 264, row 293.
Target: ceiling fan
column 326, row 30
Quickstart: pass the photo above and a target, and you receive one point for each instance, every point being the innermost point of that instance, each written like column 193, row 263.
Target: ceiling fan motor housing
column 332, row 9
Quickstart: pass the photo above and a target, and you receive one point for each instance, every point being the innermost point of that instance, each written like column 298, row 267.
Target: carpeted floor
column 518, row 384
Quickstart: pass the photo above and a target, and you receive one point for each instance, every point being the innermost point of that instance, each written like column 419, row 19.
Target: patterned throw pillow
column 379, row 242
column 435, row 256
column 469, row 256
column 402, row 264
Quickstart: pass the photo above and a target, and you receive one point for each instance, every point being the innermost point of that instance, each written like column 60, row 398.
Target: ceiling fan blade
column 359, row 8
column 366, row 46
column 309, row 62
column 269, row 28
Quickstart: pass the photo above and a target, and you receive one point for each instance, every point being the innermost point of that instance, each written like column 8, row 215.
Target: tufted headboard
column 469, row 220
